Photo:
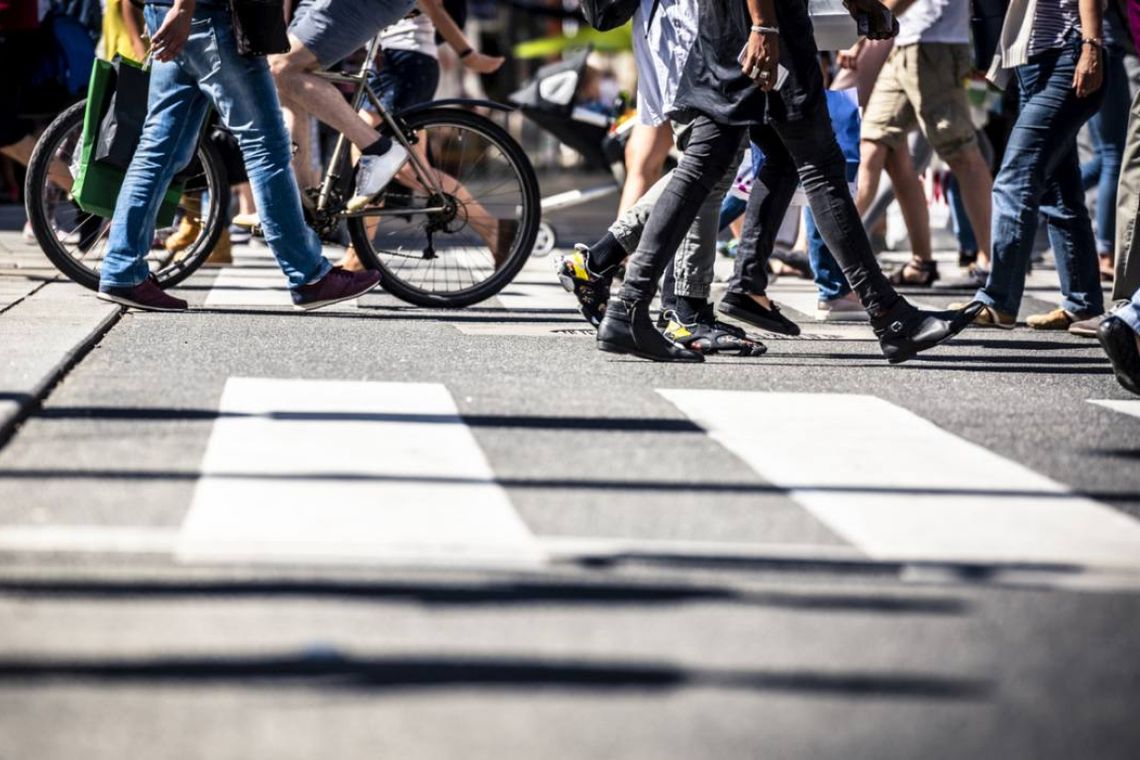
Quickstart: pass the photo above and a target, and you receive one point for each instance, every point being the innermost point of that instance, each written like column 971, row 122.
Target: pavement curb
column 29, row 401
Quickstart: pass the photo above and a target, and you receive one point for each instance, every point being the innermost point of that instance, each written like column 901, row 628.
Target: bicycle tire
column 529, row 218
column 40, row 215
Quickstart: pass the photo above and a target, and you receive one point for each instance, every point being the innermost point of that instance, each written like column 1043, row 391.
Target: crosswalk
column 313, row 472
column 351, row 472
column 348, row 472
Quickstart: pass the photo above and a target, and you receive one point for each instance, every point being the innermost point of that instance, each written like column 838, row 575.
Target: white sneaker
column 843, row 309
column 373, row 173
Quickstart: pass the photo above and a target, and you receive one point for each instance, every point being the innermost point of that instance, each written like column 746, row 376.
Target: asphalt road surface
column 381, row 531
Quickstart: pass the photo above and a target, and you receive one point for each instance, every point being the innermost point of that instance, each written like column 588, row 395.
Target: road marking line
column 254, row 279
column 328, row 471
column 1118, row 405
column 87, row 539
column 899, row 487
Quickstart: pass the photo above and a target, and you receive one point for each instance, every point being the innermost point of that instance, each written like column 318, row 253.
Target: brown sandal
column 927, row 271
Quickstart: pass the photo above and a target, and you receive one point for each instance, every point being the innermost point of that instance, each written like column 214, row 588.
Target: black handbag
column 259, row 26
column 122, row 122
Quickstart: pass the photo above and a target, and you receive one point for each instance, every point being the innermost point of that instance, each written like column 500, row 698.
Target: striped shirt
column 1052, row 22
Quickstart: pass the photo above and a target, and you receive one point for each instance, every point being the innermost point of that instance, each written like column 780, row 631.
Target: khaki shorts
column 923, row 85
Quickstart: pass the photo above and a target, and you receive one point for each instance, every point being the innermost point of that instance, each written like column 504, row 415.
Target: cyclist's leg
column 323, row 33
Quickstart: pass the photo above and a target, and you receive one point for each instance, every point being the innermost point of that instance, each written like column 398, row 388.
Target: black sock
column 378, row 148
column 689, row 308
column 606, row 254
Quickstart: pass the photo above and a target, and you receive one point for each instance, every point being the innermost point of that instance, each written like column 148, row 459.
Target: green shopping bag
column 97, row 184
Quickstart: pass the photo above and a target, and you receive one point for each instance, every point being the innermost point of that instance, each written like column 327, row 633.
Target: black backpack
column 605, row 15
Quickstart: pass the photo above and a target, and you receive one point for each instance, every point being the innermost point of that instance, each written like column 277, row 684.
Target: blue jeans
column 1108, row 128
column 1130, row 313
column 963, row 230
column 1041, row 173
column 829, row 277
column 209, row 72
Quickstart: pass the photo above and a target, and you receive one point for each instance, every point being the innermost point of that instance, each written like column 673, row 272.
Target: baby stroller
column 550, row 100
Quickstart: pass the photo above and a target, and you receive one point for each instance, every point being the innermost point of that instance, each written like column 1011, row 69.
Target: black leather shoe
column 905, row 330
column 745, row 309
column 1119, row 342
column 628, row 329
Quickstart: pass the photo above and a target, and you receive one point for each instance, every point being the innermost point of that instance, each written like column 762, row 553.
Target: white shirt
column 946, row 21
column 415, row 33
column 661, row 46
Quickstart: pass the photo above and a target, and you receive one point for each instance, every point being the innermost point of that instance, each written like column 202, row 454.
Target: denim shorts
column 332, row 30
column 404, row 79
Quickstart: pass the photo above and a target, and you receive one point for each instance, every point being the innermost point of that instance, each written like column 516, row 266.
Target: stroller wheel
column 545, row 241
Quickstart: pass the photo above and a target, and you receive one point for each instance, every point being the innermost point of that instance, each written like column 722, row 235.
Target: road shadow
column 331, row 670
column 494, row 593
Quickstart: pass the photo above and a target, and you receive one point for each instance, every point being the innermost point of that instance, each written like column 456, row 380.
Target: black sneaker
column 707, row 335
column 1119, row 342
column 591, row 290
column 146, row 296
column 742, row 307
column 905, row 330
column 336, row 286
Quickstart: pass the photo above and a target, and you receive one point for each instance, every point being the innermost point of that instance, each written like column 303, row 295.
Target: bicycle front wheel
column 76, row 242
column 461, row 240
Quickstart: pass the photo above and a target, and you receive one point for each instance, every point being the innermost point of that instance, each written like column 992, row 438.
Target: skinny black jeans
column 804, row 149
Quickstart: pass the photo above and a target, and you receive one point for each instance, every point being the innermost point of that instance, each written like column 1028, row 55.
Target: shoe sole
column 613, row 348
column 745, row 316
column 134, row 304
column 322, row 304
column 1083, row 333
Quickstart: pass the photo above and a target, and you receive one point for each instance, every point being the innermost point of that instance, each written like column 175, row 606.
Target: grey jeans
column 1127, row 279
column 693, row 265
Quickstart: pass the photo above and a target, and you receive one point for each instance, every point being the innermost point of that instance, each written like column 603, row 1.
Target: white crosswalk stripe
column 899, row 487
column 348, row 472
column 1123, row 406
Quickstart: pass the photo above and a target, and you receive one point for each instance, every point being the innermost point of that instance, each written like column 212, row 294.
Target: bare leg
column 297, row 122
column 58, row 171
column 644, row 161
column 977, row 195
column 872, row 160
column 912, row 202
column 299, row 88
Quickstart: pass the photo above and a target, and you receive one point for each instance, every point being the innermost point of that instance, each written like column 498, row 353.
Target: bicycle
column 467, row 185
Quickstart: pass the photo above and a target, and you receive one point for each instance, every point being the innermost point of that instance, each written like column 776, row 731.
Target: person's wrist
column 465, row 53
column 765, row 29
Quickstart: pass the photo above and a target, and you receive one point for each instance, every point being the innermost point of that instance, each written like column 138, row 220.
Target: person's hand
column 849, row 58
column 172, row 35
column 483, row 64
column 761, row 58
column 1089, row 75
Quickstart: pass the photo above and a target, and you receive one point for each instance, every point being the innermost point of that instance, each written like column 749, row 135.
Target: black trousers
column 803, row 148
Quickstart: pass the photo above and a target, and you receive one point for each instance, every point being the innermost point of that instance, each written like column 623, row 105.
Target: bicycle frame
column 423, row 172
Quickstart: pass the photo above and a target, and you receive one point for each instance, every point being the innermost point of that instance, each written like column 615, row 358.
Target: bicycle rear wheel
column 466, row 243
column 76, row 242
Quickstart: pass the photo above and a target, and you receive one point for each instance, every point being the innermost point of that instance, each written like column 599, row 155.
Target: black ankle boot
column 627, row 329
column 904, row 330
